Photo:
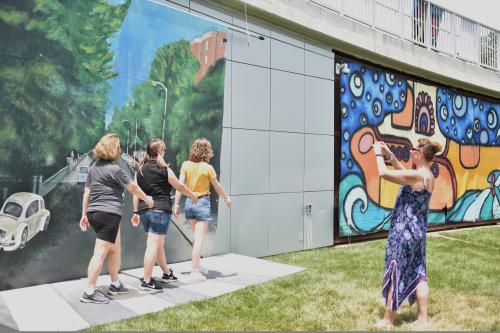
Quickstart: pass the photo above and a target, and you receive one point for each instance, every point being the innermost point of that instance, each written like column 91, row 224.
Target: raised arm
column 402, row 177
column 392, row 159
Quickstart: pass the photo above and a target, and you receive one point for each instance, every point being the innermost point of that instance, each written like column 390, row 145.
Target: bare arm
column 396, row 164
column 388, row 153
column 180, row 187
column 137, row 191
column 402, row 177
column 86, row 200
column 178, row 193
column 135, row 198
column 218, row 188
column 135, row 203
column 84, row 222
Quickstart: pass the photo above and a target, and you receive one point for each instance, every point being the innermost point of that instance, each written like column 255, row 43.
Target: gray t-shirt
column 107, row 181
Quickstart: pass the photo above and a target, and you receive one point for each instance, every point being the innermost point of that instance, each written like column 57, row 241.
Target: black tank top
column 154, row 182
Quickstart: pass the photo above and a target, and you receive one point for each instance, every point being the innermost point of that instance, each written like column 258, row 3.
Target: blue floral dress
column 404, row 265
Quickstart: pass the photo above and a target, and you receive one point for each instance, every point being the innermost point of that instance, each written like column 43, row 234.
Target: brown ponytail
column 152, row 153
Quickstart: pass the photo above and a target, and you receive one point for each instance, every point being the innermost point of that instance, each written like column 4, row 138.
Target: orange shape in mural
column 469, row 156
column 362, row 152
column 404, row 119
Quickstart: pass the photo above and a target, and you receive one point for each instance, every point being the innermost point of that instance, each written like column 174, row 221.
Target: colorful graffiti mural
column 70, row 71
column 377, row 105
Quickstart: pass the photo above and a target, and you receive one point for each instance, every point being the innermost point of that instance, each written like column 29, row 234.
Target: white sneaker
column 203, row 270
column 196, row 276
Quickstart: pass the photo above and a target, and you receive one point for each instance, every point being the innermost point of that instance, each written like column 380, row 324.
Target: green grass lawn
column 479, row 236
column 340, row 290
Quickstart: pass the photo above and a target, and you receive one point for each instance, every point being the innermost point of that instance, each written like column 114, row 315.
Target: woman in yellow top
column 198, row 175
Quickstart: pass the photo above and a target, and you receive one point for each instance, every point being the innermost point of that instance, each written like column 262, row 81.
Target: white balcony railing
column 426, row 24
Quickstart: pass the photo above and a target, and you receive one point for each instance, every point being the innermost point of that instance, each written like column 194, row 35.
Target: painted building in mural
column 208, row 49
column 377, row 105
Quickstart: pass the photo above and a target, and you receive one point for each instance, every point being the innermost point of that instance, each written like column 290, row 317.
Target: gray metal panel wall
column 277, row 149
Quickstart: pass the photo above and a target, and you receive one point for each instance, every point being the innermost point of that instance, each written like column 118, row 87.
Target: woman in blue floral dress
column 404, row 267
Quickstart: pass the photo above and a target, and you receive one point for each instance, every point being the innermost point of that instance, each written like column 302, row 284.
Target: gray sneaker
column 117, row 290
column 97, row 298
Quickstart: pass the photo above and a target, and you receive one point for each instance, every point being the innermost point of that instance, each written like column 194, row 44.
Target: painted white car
column 22, row 216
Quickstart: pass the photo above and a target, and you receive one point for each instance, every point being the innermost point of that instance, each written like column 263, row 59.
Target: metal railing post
column 428, row 23
column 402, row 19
column 477, row 41
column 497, row 65
column 454, row 34
column 374, row 15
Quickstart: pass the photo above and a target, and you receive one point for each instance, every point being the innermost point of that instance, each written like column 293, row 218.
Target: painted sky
column 147, row 27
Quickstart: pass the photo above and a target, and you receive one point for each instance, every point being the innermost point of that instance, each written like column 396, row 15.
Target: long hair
column 153, row 153
column 108, row 147
column 201, row 151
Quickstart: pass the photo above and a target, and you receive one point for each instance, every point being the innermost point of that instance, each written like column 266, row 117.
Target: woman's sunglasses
column 415, row 149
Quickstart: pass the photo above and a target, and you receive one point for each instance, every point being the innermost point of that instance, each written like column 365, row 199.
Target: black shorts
column 105, row 225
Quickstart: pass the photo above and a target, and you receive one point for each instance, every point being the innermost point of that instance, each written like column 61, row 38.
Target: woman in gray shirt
column 102, row 210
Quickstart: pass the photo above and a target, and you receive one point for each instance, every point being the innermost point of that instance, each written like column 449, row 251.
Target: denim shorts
column 200, row 211
column 155, row 221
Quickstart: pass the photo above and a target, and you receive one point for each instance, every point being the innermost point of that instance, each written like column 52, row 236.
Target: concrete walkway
column 56, row 306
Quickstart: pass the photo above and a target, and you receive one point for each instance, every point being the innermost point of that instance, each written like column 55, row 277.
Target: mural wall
column 71, row 71
column 379, row 105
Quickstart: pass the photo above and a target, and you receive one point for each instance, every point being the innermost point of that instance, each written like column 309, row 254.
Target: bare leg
column 200, row 229
column 423, row 302
column 101, row 250
column 115, row 258
column 150, row 255
column 161, row 259
column 389, row 315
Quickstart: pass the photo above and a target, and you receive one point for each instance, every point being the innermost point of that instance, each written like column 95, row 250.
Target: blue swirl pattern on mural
column 467, row 120
column 367, row 95
column 477, row 205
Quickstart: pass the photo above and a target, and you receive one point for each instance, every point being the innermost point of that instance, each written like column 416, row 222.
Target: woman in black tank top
column 156, row 179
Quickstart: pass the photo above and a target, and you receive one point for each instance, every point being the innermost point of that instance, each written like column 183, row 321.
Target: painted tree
column 54, row 66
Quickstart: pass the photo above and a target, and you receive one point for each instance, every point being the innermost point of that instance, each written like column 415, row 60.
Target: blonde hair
column 108, row 147
column 429, row 148
column 152, row 153
column 201, row 151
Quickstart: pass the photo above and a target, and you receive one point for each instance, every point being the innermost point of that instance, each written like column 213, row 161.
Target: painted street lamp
column 127, row 126
column 156, row 83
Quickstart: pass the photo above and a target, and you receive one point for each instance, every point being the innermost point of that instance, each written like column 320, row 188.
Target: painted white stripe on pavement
column 40, row 308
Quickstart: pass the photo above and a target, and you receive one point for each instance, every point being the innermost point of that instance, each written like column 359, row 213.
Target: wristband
column 136, row 213
column 379, row 155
